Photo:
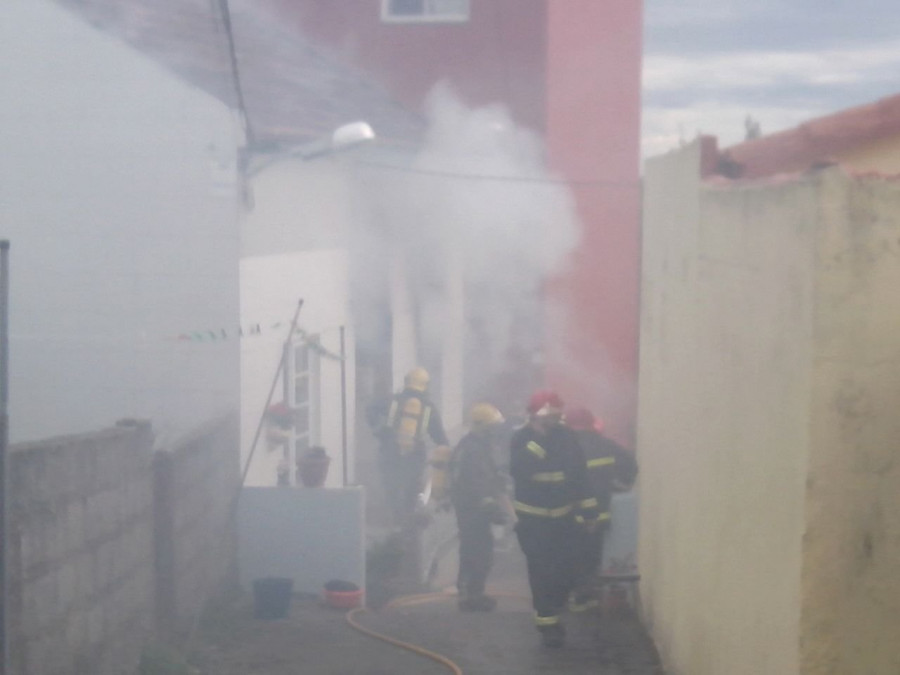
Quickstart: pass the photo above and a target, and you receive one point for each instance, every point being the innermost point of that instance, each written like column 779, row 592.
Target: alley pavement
column 317, row 640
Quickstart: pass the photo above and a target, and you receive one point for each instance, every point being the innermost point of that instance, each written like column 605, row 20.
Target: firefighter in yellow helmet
column 402, row 430
column 477, row 491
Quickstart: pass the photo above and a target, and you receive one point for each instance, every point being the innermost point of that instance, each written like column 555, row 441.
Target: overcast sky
column 710, row 63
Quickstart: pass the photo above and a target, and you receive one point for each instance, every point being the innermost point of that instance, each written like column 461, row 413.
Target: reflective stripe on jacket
column 550, row 474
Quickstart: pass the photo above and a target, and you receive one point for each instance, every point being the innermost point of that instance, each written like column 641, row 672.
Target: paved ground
column 317, row 641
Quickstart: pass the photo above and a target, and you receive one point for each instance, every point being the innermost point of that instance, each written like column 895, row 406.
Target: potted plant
column 312, row 466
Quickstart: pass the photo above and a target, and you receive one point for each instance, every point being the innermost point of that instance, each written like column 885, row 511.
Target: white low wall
column 310, row 535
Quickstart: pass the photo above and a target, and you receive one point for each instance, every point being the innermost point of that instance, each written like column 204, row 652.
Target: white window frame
column 429, row 15
column 301, row 441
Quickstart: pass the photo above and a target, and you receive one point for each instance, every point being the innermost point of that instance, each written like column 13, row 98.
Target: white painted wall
column 292, row 246
column 116, row 192
column 271, row 287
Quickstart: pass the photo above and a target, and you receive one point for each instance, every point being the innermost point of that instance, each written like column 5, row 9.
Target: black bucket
column 272, row 597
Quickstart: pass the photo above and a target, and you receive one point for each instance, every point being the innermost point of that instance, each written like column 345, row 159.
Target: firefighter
column 552, row 500
column 611, row 468
column 477, row 491
column 402, row 429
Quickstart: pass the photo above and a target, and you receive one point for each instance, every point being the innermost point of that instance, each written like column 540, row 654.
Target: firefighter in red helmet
column 552, row 500
column 611, row 468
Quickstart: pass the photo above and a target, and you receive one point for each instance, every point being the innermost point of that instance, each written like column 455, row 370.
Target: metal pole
column 4, row 441
column 287, row 452
column 344, row 404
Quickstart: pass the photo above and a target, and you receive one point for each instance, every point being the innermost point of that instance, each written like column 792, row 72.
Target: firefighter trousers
column 476, row 551
column 589, row 553
column 551, row 555
column 403, row 476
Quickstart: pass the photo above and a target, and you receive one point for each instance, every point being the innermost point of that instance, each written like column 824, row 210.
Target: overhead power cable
column 235, row 72
column 496, row 177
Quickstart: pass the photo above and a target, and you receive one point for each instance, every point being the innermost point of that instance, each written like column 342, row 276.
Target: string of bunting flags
column 253, row 330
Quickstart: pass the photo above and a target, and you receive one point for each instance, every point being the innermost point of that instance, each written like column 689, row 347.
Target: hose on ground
column 410, row 601
column 408, row 646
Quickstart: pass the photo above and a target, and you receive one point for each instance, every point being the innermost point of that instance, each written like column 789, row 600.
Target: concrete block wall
column 196, row 486
column 81, row 563
column 113, row 545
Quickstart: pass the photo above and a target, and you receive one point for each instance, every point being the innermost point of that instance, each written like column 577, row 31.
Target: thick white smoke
column 478, row 194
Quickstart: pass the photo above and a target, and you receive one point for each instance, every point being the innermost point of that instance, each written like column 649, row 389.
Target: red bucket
column 343, row 599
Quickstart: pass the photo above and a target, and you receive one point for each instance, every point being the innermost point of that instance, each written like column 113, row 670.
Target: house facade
column 570, row 72
column 293, row 249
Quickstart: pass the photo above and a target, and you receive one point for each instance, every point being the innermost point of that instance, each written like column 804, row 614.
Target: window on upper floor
column 422, row 11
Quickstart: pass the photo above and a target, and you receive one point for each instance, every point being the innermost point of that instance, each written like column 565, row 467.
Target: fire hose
column 411, row 601
column 408, row 646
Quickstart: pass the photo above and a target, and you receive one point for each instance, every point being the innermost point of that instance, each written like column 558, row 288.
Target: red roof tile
column 815, row 142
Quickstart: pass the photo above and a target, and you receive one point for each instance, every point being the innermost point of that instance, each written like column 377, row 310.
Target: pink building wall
column 497, row 55
column 593, row 136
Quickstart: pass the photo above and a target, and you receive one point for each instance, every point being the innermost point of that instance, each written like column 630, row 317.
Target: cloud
column 678, row 14
column 754, row 69
column 688, row 94
column 668, row 128
column 698, row 26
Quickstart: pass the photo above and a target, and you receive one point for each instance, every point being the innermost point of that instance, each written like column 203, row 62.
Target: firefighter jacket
column 403, row 425
column 476, row 484
column 608, row 463
column 550, row 475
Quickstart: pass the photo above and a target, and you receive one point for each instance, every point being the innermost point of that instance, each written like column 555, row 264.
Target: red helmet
column 580, row 418
column 544, row 402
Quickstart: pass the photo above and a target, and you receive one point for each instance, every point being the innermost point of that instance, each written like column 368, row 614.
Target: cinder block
column 93, row 522
column 29, row 620
column 30, row 547
column 85, row 578
column 45, row 591
column 67, row 585
column 54, row 532
column 101, row 568
column 76, row 632
column 94, row 620
column 76, row 533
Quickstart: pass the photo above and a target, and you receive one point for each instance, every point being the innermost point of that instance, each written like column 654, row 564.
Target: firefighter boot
column 583, row 600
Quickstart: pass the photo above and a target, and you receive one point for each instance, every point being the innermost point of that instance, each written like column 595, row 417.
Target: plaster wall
column 298, row 217
column 271, row 287
column 851, row 591
column 117, row 191
column 768, row 426
column 309, row 535
column 294, row 205
column 726, row 352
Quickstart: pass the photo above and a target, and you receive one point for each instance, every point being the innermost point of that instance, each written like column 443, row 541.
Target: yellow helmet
column 484, row 415
column 417, row 379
